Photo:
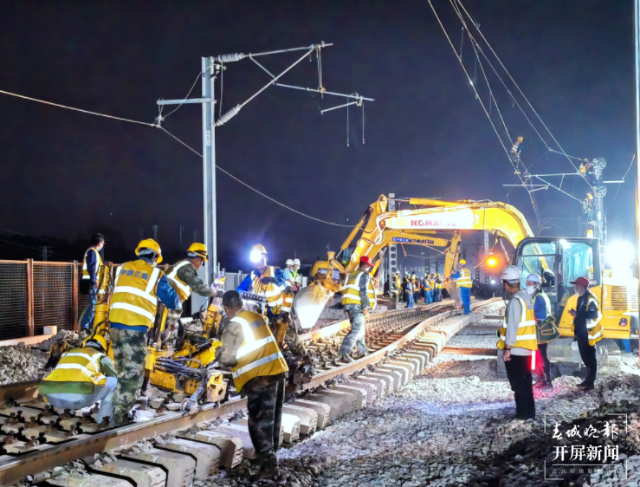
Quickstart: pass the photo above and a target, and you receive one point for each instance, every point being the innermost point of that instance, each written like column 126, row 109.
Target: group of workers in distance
column 529, row 326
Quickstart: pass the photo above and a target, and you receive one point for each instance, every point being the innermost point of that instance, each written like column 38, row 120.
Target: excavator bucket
column 309, row 303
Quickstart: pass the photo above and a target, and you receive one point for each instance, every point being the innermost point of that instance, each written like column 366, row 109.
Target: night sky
column 67, row 174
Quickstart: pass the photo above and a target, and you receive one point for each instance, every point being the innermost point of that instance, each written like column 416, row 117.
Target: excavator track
column 402, row 344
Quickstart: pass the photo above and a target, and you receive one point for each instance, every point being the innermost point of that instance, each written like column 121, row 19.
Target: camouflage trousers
column 264, row 406
column 129, row 352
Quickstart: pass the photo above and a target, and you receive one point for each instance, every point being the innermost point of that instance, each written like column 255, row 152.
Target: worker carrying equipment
column 82, row 377
column 258, row 369
column 137, row 288
column 517, row 338
column 183, row 277
column 546, row 330
column 358, row 299
column 464, row 284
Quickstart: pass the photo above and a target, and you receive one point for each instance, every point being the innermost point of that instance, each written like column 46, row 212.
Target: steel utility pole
column 210, row 68
column 637, row 70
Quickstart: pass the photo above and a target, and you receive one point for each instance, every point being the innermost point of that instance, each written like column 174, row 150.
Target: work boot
column 265, row 473
column 582, row 384
column 589, row 386
column 345, row 357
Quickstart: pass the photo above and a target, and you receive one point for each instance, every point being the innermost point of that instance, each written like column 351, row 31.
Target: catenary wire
column 76, row 109
column 618, row 190
column 520, row 90
column 482, row 105
column 185, row 98
column 254, row 189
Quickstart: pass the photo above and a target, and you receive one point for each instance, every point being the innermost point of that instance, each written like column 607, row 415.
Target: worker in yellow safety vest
column 259, row 371
column 464, row 284
column 271, row 283
column 183, row 277
column 82, row 377
column 439, row 287
column 518, row 339
column 91, row 264
column 137, row 287
column 358, row 300
column 587, row 329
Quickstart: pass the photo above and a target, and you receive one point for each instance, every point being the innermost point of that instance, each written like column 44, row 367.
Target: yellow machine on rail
column 558, row 260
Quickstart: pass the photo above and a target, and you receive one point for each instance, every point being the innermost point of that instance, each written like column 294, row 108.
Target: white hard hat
column 296, row 261
column 289, row 262
column 511, row 274
column 534, row 278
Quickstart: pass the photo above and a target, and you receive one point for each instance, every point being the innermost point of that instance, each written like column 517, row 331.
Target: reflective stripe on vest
column 259, row 354
column 272, row 291
column 465, row 279
column 85, row 269
column 181, row 287
column 594, row 327
column 547, row 303
column 526, row 337
column 351, row 290
column 134, row 301
column 79, row 365
column 287, row 302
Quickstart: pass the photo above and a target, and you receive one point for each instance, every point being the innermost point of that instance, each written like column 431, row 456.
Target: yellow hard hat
column 96, row 338
column 257, row 251
column 200, row 249
column 151, row 244
column 462, row 262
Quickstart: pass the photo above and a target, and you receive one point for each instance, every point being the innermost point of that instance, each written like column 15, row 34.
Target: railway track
column 35, row 439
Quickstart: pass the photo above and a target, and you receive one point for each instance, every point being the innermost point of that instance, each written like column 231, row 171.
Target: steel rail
column 52, row 455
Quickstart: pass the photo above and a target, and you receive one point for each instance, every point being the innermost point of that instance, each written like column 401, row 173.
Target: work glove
column 267, row 280
column 288, row 289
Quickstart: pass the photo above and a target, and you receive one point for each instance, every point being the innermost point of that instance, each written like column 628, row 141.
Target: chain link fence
column 38, row 294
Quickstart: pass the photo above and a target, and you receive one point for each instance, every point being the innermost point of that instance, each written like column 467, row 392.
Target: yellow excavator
column 558, row 260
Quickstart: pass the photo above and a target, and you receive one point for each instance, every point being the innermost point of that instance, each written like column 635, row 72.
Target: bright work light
column 620, row 255
column 255, row 256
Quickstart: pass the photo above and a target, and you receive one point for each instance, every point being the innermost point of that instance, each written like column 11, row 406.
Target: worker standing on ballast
column 545, row 329
column 297, row 277
column 517, row 338
column 90, row 267
column 587, row 329
column 82, row 377
column 288, row 272
column 464, row 283
column 137, row 287
column 358, row 300
column 183, row 277
column 439, row 286
column 259, row 371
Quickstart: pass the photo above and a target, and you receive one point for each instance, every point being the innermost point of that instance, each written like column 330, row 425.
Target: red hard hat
column 581, row 281
column 366, row 260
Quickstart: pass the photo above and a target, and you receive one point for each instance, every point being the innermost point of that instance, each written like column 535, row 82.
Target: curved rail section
column 403, row 343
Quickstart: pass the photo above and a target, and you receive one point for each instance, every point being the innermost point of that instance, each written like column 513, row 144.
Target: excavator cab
column 560, row 261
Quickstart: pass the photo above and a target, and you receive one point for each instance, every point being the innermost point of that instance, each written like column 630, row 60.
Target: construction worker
column 288, row 272
column 409, row 290
column 183, row 277
column 358, row 299
column 259, row 371
column 427, row 290
column 517, row 338
column 82, row 377
column 91, row 264
column 270, row 282
column 137, row 287
column 464, row 283
column 587, row 329
column 439, row 286
column 544, row 332
column 297, row 277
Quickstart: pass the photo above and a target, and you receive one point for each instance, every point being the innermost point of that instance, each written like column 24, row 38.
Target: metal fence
column 37, row 294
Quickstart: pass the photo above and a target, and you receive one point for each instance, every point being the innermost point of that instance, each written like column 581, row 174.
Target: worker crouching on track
column 464, row 284
column 138, row 286
column 358, row 299
column 517, row 338
column 82, row 377
column 183, row 277
column 259, row 370
column 587, row 329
